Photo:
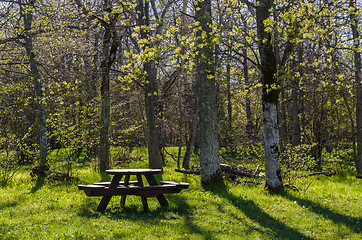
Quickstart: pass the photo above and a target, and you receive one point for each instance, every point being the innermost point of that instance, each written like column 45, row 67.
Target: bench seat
column 120, row 183
column 180, row 185
column 145, row 191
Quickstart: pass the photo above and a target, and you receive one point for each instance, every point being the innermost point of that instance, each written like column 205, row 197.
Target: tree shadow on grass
column 185, row 210
column 353, row 223
column 135, row 213
column 253, row 212
column 38, row 185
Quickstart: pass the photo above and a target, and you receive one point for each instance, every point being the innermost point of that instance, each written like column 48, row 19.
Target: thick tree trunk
column 358, row 76
column 283, row 126
column 269, row 98
column 154, row 156
column 105, row 102
column 211, row 173
column 111, row 42
column 27, row 15
column 105, row 119
column 154, row 153
column 271, row 143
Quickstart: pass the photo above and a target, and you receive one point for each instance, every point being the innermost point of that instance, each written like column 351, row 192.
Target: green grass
column 330, row 209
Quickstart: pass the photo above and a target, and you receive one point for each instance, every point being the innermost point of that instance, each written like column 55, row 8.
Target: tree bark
column 230, row 112
column 180, row 121
column 358, row 76
column 191, row 142
column 111, row 41
column 27, row 15
column 269, row 97
column 150, row 86
column 296, row 136
column 154, row 155
column 211, row 174
column 249, row 117
column 105, row 104
column 283, row 126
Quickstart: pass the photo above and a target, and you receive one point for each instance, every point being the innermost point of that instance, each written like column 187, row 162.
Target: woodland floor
column 330, row 208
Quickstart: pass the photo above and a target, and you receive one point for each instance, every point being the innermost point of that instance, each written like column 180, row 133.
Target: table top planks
column 133, row 171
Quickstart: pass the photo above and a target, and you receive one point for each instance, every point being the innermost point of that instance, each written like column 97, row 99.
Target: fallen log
column 317, row 173
column 231, row 171
column 188, row 171
column 241, row 171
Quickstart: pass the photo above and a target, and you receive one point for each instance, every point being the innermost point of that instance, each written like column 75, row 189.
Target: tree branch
column 89, row 13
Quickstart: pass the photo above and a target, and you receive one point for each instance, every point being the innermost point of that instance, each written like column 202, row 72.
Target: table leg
column 161, row 198
column 104, row 202
column 105, row 199
column 123, row 197
column 144, row 199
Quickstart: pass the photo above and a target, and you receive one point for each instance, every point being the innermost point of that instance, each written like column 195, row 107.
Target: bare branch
column 188, row 15
column 89, row 13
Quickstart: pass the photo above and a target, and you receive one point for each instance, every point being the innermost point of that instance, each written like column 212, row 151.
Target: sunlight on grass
column 329, row 209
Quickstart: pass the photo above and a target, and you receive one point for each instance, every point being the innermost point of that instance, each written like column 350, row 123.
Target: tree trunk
column 230, row 112
column 269, row 98
column 283, row 126
column 296, row 134
column 191, row 142
column 358, row 76
column 105, row 114
column 211, row 174
column 180, row 120
column 111, row 42
column 296, row 137
column 149, row 67
column 27, row 15
column 154, row 156
column 249, row 117
column 351, row 119
column 105, row 102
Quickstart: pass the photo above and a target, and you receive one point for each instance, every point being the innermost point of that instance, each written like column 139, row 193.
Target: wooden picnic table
column 123, row 188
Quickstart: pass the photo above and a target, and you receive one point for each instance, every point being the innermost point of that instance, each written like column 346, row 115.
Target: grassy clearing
column 330, row 209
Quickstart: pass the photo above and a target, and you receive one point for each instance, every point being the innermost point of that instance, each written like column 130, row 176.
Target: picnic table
column 136, row 187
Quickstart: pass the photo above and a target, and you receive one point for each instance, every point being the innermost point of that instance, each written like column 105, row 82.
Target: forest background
column 91, row 75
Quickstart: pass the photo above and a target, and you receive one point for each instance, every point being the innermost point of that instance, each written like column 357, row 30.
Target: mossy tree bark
column 211, row 174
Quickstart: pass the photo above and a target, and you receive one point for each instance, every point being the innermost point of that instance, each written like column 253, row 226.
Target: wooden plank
column 181, row 185
column 133, row 171
column 82, row 187
column 148, row 191
column 88, row 189
column 120, row 183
